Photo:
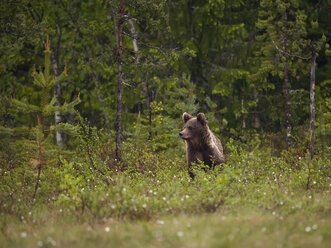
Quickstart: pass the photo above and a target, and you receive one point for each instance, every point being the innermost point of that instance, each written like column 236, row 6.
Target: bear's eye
column 190, row 127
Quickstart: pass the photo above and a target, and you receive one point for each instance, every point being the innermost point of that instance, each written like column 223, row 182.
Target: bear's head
column 195, row 129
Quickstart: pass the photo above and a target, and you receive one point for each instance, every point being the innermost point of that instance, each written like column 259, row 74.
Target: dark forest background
column 246, row 64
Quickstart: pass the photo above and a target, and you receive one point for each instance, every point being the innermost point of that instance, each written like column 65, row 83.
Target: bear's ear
column 186, row 117
column 202, row 119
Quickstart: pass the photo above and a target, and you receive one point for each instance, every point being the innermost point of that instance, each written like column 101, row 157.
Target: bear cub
column 201, row 144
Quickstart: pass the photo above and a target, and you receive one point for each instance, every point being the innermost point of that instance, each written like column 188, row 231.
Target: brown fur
column 201, row 144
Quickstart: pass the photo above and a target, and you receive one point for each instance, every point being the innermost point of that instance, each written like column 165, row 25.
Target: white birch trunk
column 57, row 115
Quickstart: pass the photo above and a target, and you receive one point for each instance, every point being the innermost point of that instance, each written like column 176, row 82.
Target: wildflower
column 40, row 243
column 51, row 241
column 107, row 229
column 23, row 234
column 180, row 234
column 161, row 222
column 264, row 229
column 144, row 205
column 314, row 227
column 308, row 229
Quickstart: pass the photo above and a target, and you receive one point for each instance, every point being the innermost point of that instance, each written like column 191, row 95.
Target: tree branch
column 288, row 54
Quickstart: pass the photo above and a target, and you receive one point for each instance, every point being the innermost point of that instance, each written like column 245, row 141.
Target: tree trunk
column 119, row 83
column 256, row 115
column 312, row 102
column 243, row 113
column 286, row 89
column 148, row 102
column 288, row 105
column 57, row 91
column 41, row 159
column 134, row 39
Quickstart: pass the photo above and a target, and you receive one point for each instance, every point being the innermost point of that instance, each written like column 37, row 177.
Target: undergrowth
column 285, row 196
column 89, row 183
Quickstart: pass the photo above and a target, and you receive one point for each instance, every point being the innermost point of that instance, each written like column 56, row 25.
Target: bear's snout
column 183, row 135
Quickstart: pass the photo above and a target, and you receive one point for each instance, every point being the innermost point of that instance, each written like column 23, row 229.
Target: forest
column 92, row 100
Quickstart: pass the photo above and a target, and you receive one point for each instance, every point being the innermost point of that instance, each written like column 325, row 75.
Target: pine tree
column 45, row 81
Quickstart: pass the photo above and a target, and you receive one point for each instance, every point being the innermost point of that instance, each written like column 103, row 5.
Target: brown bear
column 201, row 144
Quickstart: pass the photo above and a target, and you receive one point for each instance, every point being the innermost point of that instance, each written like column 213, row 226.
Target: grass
column 297, row 221
column 255, row 200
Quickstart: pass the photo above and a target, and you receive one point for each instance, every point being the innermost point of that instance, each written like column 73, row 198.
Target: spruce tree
column 281, row 26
